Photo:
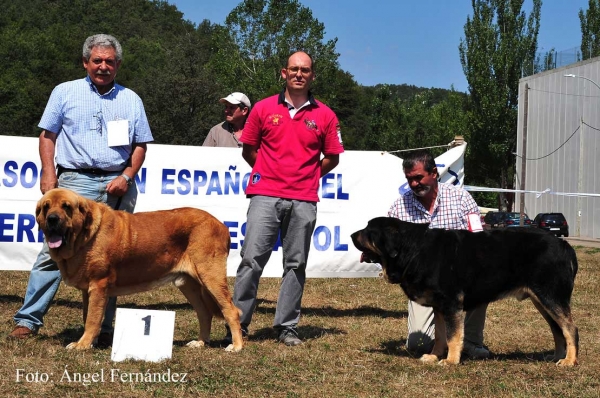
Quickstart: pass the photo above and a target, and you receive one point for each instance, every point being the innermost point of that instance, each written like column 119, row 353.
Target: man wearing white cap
column 228, row 133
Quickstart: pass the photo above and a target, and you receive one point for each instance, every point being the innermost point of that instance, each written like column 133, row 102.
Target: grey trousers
column 421, row 327
column 266, row 218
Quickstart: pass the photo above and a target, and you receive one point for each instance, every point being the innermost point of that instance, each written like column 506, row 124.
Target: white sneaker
column 474, row 351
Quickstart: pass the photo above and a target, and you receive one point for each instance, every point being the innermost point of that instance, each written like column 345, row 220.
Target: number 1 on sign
column 147, row 320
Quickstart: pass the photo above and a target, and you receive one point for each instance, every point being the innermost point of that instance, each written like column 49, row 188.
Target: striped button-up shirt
column 79, row 115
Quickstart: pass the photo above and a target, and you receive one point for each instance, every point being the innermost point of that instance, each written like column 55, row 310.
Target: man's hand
column 117, row 187
column 48, row 181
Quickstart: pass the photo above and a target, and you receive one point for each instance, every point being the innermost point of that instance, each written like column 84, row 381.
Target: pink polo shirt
column 289, row 149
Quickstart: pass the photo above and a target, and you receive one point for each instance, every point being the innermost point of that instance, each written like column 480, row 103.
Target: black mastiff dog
column 455, row 271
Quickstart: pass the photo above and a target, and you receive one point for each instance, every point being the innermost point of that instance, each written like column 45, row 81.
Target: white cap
column 236, row 99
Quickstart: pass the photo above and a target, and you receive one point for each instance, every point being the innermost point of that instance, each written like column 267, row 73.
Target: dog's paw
column 447, row 362
column 78, row 346
column 565, row 362
column 196, row 344
column 231, row 348
column 429, row 358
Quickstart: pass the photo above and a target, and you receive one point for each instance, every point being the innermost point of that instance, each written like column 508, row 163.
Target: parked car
column 555, row 223
column 492, row 219
column 513, row 219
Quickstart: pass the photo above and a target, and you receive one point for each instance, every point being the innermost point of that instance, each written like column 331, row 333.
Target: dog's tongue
column 362, row 257
column 54, row 241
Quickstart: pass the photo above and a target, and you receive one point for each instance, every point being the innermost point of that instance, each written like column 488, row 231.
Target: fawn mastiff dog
column 455, row 271
column 104, row 252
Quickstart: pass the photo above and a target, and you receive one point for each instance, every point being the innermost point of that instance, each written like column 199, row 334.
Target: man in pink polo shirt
column 283, row 141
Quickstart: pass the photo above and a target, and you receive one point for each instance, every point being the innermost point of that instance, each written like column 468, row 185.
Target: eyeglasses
column 295, row 69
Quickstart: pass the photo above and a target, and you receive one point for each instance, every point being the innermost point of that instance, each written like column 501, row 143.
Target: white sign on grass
column 145, row 335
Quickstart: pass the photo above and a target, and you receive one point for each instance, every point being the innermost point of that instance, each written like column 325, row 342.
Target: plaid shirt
column 451, row 209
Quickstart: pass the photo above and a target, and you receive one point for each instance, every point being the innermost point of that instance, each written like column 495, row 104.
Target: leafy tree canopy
column 500, row 40
column 181, row 69
column 590, row 30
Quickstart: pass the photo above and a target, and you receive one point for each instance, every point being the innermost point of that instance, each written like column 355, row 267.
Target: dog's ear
column 86, row 213
column 38, row 208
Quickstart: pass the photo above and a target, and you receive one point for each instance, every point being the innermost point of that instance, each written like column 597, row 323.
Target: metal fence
column 555, row 59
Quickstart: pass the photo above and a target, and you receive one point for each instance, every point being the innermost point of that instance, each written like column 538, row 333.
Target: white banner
column 363, row 186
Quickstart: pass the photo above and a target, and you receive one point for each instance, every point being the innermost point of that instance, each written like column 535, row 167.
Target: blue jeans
column 45, row 278
column 267, row 217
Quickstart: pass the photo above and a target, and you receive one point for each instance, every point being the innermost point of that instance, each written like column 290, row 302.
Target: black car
column 555, row 223
column 513, row 219
column 492, row 219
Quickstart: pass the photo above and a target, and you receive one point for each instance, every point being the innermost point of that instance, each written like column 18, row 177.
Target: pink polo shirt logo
column 274, row 119
column 311, row 124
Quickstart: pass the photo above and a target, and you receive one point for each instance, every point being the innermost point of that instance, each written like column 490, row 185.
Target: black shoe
column 474, row 351
column 104, row 340
column 229, row 340
column 289, row 337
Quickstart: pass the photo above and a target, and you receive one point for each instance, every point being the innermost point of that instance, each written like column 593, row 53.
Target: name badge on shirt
column 118, row 133
column 474, row 222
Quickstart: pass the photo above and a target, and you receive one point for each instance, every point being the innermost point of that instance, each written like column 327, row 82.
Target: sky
column 411, row 42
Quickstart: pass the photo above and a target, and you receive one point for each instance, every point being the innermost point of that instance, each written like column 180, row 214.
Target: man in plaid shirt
column 442, row 206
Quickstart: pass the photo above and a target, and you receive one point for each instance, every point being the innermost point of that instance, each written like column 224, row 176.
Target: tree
column 590, row 30
column 406, row 117
column 164, row 61
column 32, row 60
column 500, row 41
column 184, row 99
column 386, row 117
column 448, row 119
column 180, row 70
column 259, row 36
column 549, row 61
column 345, row 97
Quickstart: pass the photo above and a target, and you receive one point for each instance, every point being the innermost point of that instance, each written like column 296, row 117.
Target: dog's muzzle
column 54, row 231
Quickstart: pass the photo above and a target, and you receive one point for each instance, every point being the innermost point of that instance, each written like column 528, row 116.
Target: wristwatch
column 128, row 179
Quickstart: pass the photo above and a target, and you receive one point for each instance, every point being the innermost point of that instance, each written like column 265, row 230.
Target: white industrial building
column 559, row 136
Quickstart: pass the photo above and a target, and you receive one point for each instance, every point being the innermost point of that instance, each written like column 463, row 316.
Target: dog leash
column 118, row 203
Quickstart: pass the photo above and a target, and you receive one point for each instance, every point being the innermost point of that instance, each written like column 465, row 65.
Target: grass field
column 354, row 332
